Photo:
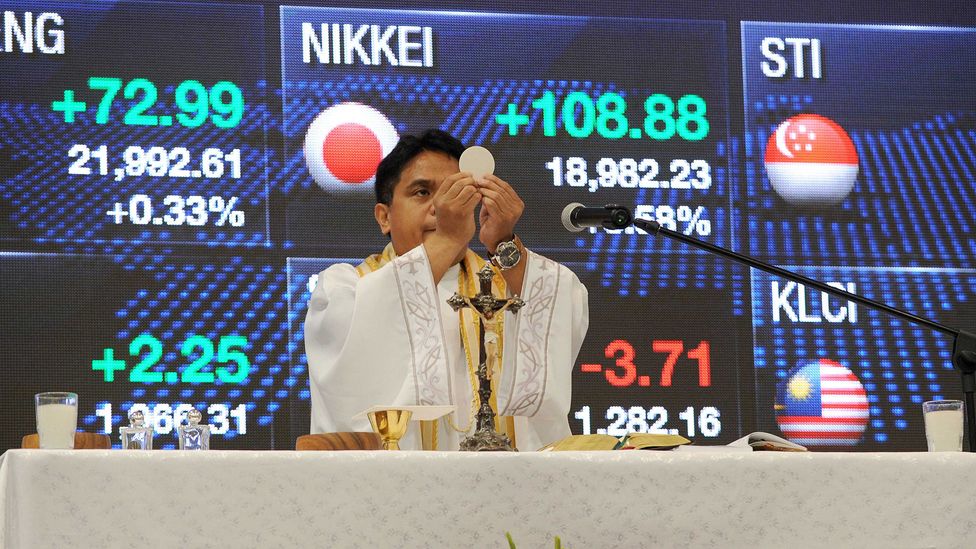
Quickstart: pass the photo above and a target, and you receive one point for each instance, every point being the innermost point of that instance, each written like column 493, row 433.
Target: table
column 114, row 498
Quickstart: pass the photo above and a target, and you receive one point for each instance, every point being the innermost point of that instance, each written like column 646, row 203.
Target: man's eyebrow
column 420, row 183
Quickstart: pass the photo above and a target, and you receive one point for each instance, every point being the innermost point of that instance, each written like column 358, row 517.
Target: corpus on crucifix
column 486, row 306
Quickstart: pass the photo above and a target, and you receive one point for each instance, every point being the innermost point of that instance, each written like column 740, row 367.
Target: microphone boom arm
column 964, row 343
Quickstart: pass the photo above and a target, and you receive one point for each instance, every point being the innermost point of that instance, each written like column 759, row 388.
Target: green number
column 569, row 114
column 226, row 354
column 140, row 372
column 659, row 108
column 199, row 106
column 135, row 117
column 234, row 109
column 547, row 104
column 610, row 107
column 192, row 373
column 111, row 87
column 691, row 110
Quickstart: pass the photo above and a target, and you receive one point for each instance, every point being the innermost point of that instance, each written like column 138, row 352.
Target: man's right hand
column 454, row 204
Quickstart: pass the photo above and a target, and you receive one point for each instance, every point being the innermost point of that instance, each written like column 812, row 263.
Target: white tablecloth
column 52, row 498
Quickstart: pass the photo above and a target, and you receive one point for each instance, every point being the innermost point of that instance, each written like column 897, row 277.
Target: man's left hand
column 501, row 208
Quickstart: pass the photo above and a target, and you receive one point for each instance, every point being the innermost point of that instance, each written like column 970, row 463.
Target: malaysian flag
column 822, row 403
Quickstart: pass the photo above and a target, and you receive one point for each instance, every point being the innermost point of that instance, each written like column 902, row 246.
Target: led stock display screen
column 174, row 175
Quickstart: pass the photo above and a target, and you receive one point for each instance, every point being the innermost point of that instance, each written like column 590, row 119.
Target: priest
column 382, row 333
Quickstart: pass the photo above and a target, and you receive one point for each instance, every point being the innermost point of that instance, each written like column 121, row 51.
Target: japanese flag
column 345, row 143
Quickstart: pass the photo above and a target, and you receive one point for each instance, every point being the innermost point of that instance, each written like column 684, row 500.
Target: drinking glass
column 57, row 419
column 943, row 425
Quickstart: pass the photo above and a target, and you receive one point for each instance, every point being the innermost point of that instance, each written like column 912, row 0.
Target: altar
column 704, row 498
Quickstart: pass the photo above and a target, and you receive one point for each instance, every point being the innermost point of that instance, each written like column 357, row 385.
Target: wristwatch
column 507, row 254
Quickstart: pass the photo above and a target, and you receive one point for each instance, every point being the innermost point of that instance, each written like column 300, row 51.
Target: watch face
column 507, row 254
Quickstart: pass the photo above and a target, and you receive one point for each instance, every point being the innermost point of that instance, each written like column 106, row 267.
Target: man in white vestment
column 382, row 333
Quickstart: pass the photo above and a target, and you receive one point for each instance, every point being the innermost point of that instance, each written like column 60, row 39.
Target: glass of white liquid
column 57, row 419
column 943, row 425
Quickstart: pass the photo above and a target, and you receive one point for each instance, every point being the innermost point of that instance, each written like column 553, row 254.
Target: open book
column 757, row 441
column 630, row 441
column 767, row 442
column 753, row 442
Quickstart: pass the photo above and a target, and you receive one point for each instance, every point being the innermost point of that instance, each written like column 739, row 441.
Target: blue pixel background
column 36, row 140
column 470, row 83
column 904, row 95
column 899, row 364
column 55, row 223
column 75, row 283
column 914, row 128
column 63, row 310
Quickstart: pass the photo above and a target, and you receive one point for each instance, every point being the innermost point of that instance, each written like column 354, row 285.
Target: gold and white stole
column 422, row 314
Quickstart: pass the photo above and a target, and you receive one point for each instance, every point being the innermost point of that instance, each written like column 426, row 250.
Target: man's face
column 410, row 215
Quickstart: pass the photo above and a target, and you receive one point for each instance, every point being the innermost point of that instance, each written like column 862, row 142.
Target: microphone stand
column 964, row 343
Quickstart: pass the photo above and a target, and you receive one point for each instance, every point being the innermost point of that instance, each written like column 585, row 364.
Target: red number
column 674, row 348
column 625, row 361
column 701, row 354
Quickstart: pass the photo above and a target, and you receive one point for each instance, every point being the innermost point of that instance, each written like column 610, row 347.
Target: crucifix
column 487, row 307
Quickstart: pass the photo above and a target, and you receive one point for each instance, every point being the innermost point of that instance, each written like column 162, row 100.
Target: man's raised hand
column 501, row 208
column 454, row 204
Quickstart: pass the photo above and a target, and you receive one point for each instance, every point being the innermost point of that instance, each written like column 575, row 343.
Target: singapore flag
column 811, row 161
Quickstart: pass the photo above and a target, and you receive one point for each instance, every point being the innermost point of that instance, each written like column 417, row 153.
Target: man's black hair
column 389, row 170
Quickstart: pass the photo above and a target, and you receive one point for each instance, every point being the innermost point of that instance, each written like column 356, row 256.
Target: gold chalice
column 390, row 425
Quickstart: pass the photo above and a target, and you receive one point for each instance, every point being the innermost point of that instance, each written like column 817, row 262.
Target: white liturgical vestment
column 388, row 337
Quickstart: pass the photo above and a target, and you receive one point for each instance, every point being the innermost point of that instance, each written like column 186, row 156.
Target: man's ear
column 382, row 214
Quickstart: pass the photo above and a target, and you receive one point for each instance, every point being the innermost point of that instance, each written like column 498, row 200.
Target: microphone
column 577, row 217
